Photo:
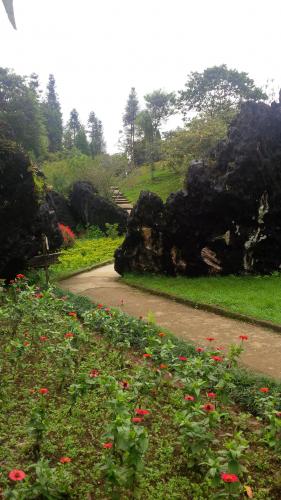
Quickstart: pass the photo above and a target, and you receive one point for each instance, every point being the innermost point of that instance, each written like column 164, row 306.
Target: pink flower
column 210, row 339
column 209, row 407
column 182, row 358
column 229, row 478
column 137, row 420
column 199, row 349
column 20, row 276
column 43, row 338
column 139, row 411
column 107, row 445
column 217, row 358
column 189, row 398
column 211, row 395
column 94, row 373
column 17, row 475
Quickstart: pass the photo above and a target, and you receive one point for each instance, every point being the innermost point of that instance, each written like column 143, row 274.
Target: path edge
column 209, row 308
column 84, row 270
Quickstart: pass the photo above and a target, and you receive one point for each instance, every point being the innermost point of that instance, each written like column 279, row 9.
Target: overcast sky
column 99, row 49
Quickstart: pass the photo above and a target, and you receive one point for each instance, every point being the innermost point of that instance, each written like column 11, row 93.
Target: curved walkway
column 262, row 350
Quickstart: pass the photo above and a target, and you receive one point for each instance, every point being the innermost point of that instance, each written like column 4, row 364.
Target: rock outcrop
column 227, row 219
column 91, row 209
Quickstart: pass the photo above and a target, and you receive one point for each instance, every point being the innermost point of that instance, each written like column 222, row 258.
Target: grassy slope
column 258, row 297
column 164, row 183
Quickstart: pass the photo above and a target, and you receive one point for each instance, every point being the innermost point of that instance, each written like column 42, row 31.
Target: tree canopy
column 218, row 89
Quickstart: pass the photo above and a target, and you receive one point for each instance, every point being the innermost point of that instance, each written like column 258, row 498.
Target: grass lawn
column 85, row 253
column 256, row 296
column 95, row 404
column 164, row 183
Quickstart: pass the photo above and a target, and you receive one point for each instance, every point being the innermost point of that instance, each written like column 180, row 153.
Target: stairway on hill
column 120, row 199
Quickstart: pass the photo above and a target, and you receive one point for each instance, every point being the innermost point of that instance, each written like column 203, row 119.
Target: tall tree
column 74, row 124
column 218, row 90
column 129, row 120
column 81, row 142
column 95, row 130
column 160, row 106
column 53, row 117
column 21, row 113
column 34, row 84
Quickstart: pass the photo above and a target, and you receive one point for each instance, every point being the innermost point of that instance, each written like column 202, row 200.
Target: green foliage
column 196, row 141
column 97, row 144
column 129, row 123
column 53, row 117
column 255, row 296
column 159, row 105
column 21, row 113
column 84, row 254
column 112, row 231
column 218, row 90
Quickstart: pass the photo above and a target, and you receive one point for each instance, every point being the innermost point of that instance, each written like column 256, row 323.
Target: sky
column 99, row 49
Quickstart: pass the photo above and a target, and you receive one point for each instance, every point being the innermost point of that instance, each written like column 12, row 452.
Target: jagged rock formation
column 22, row 218
column 90, row 208
column 62, row 209
column 228, row 217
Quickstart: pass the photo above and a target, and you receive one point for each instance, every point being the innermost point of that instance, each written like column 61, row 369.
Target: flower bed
column 96, row 404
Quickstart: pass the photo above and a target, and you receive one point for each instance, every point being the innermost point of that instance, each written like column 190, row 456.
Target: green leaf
column 8, row 4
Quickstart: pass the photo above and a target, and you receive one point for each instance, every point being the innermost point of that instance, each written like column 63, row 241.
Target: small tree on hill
column 53, row 117
column 129, row 120
column 95, row 130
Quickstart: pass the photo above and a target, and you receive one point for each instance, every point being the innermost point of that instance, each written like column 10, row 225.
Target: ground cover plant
column 84, row 253
column 164, row 182
column 96, row 404
column 255, row 296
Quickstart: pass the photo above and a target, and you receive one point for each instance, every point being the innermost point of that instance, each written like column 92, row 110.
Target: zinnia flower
column 100, row 306
column 147, row 355
column 73, row 314
column 199, row 349
column 137, row 420
column 69, row 335
column 188, row 397
column 125, row 384
column 65, row 460
column 217, row 358
column 264, row 389
column 139, row 411
column 163, row 366
column 229, row 478
column 107, row 445
column 209, row 407
column 243, row 337
column 26, row 344
column 182, row 358
column 161, row 334
column 211, row 395
column 17, row 475
column 20, row 276
column 43, row 390
column 94, row 373
column 39, row 295
column 43, row 338
column 210, row 339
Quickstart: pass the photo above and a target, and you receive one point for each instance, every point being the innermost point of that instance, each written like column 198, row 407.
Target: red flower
column 107, row 310
column 139, row 411
column 209, row 407
column 73, row 314
column 65, row 460
column 220, row 348
column 278, row 414
column 243, row 337
column 163, row 366
column 125, row 384
column 211, row 395
column 20, row 276
column 229, row 478
column 43, row 390
column 161, row 334
column 107, row 445
column 264, row 389
column 199, row 349
column 39, row 295
column 217, row 358
column 26, row 344
column 100, row 306
column 94, row 373
column 210, row 339
column 17, row 475
column 137, row 420
column 69, row 335
column 182, row 358
column 189, row 398
column 43, row 338
column 147, row 355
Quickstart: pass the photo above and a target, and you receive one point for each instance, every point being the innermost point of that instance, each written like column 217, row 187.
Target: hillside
column 165, row 182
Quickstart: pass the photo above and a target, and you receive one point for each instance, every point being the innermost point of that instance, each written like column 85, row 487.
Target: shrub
column 68, row 236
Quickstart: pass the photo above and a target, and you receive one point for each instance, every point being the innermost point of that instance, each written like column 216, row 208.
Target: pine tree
column 53, row 117
column 74, row 124
column 97, row 144
column 81, row 142
column 129, row 120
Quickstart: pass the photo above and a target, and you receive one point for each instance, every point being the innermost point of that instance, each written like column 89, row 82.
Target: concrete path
column 103, row 285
